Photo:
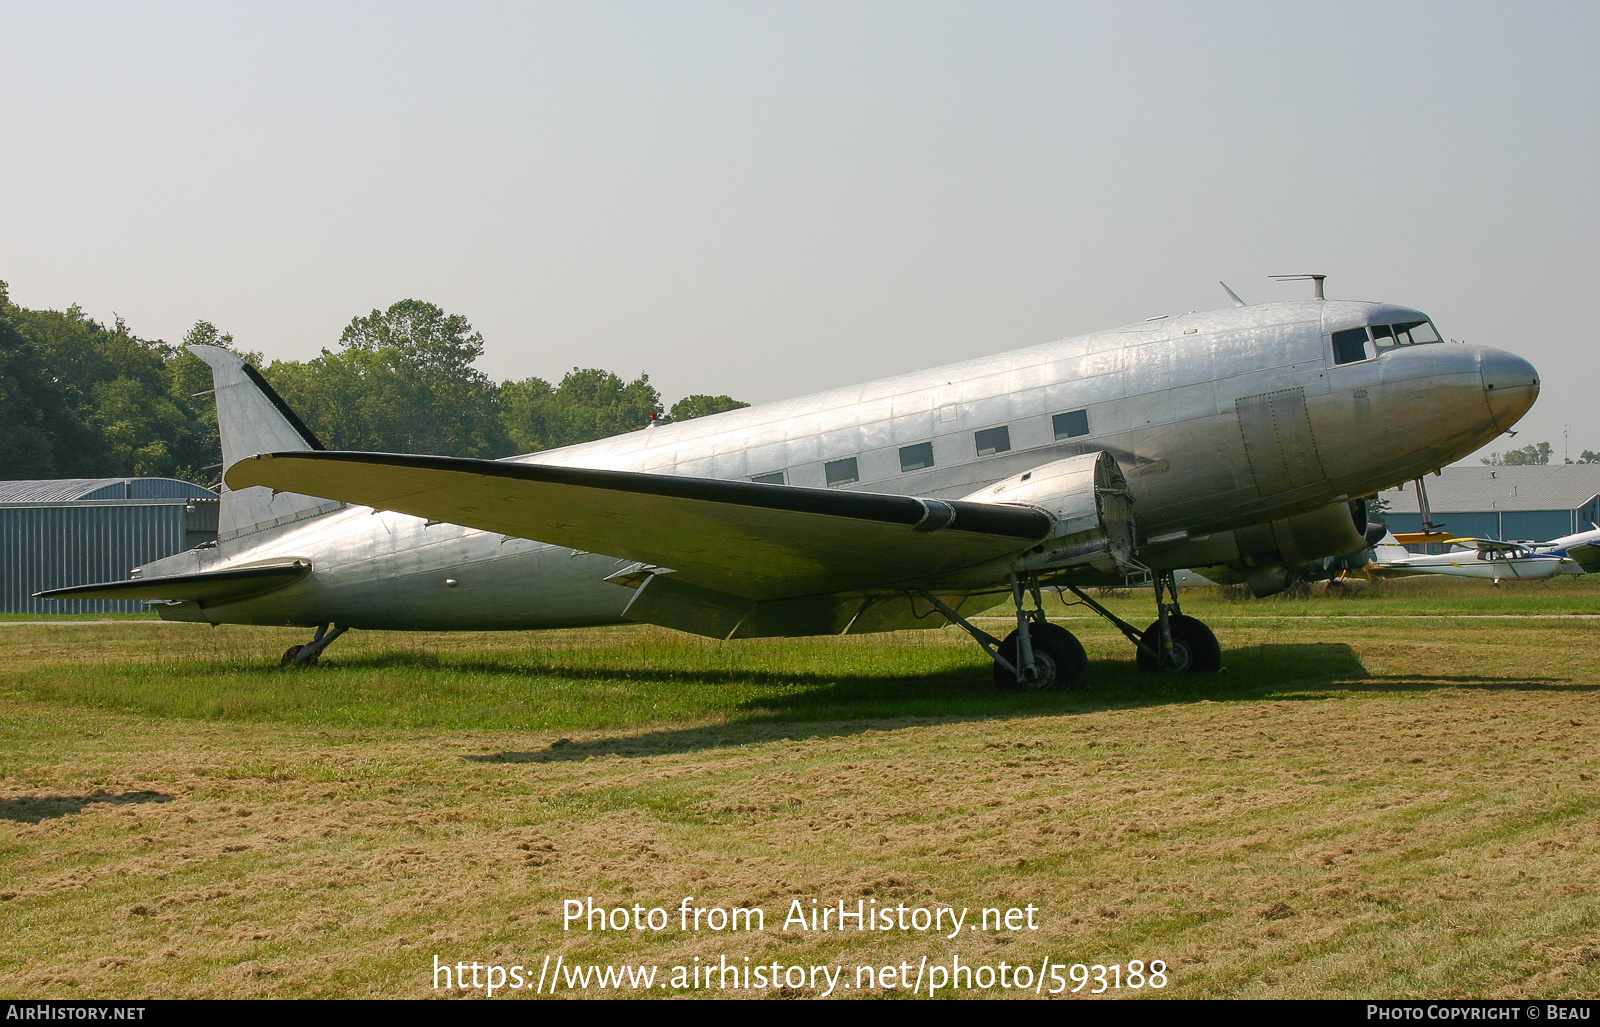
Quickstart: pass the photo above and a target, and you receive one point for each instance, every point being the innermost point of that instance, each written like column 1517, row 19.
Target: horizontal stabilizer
column 746, row 539
column 208, row 588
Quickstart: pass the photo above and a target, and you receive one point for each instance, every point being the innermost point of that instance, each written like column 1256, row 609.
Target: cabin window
column 1071, row 424
column 993, row 440
column 1383, row 335
column 915, row 458
column 842, row 472
column 1350, row 346
column 775, row 478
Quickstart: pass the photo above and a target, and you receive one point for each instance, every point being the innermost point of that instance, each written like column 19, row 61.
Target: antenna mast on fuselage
column 1315, row 280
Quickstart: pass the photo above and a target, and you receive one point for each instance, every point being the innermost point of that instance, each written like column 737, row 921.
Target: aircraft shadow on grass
column 853, row 704
column 32, row 809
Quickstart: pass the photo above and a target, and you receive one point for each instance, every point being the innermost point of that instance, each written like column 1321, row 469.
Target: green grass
column 637, row 674
column 1400, row 804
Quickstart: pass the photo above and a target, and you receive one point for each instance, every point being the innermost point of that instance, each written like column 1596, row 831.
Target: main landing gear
column 306, row 655
column 1173, row 643
column 1040, row 656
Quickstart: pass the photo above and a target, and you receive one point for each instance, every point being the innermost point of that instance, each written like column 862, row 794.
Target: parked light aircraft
column 1489, row 558
column 1242, row 438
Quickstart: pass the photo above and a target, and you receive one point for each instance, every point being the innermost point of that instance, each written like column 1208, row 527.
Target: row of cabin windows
column 988, row 441
column 1357, row 344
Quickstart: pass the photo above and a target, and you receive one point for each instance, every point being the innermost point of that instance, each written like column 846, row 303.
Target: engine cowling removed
column 1087, row 498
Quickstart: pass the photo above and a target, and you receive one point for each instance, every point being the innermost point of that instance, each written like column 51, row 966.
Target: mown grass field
column 1393, row 793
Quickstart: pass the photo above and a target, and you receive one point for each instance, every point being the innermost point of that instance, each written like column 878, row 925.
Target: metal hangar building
column 1530, row 503
column 75, row 531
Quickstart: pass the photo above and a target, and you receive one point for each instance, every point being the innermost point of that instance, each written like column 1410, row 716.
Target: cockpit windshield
column 1366, row 343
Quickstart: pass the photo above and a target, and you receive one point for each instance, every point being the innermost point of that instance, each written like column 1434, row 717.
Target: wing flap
column 208, row 588
column 755, row 541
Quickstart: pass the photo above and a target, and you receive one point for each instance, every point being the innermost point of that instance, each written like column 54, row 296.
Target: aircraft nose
column 1510, row 384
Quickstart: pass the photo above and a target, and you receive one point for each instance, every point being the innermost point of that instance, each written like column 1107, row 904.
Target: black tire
column 290, row 653
column 1197, row 649
column 1068, row 663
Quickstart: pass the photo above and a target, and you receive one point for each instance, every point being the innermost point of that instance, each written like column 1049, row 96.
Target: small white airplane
column 1490, row 558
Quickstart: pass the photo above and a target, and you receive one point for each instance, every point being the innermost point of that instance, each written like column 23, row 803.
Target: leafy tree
column 700, row 405
column 589, row 404
column 120, row 388
column 1588, row 456
column 1524, row 457
column 80, row 398
column 40, row 436
column 402, row 382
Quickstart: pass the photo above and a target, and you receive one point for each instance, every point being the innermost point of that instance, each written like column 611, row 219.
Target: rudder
column 252, row 418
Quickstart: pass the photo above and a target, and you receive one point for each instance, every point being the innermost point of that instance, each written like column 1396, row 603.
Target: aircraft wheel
column 1193, row 645
column 290, row 653
column 1058, row 657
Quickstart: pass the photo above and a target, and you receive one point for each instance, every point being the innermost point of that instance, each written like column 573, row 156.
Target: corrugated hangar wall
column 1516, row 503
column 48, row 540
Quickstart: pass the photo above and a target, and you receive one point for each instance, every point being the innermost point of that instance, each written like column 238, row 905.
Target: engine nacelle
column 1266, row 556
column 1298, row 540
column 1087, row 498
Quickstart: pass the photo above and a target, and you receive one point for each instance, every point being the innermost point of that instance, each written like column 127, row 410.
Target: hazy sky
column 766, row 199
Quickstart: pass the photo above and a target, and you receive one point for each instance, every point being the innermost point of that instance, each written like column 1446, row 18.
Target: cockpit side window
column 1352, row 345
column 1415, row 333
column 1406, row 333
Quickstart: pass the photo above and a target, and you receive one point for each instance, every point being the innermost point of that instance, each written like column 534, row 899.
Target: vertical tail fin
column 252, row 418
column 1389, row 550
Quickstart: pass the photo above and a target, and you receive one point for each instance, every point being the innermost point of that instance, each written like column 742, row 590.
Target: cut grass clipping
column 1394, row 793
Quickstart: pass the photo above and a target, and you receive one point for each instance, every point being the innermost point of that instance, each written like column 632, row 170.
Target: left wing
column 757, row 541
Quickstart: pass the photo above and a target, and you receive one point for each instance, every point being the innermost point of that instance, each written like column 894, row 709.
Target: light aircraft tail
column 252, row 418
column 1389, row 550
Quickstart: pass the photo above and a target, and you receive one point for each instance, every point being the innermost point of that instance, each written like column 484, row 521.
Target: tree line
column 82, row 399
column 1536, row 455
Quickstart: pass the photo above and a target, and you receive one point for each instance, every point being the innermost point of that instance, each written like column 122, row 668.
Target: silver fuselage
column 1220, row 420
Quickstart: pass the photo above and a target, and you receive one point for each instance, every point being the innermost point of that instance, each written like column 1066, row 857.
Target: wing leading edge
column 757, row 541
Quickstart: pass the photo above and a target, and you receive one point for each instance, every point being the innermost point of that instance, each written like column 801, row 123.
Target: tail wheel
column 1059, row 661
column 290, row 653
column 1195, row 649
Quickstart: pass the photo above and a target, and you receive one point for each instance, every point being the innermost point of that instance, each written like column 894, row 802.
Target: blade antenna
column 1236, row 300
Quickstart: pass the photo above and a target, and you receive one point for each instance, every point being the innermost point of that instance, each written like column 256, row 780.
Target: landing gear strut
column 1038, row 656
column 1173, row 643
column 1182, row 644
column 306, row 655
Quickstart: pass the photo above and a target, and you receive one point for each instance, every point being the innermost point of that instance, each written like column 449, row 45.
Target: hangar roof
column 1535, row 487
column 70, row 490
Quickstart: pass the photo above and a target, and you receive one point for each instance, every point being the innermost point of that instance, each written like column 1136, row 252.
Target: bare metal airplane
column 1244, row 439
